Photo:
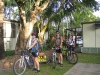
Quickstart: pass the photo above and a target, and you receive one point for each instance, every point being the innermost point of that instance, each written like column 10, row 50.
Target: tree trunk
column 24, row 34
column 2, row 51
column 42, row 32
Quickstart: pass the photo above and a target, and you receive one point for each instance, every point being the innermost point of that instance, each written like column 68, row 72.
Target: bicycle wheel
column 72, row 58
column 54, row 61
column 47, row 59
column 19, row 67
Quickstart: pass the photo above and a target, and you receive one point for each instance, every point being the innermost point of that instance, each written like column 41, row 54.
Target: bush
column 10, row 52
column 49, row 44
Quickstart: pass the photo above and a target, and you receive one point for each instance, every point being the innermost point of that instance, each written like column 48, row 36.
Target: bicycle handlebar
column 56, row 48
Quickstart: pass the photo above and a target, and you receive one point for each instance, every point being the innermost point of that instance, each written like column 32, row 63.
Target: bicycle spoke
column 73, row 58
column 19, row 67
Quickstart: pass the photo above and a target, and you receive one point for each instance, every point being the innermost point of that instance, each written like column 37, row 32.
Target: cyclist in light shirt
column 70, row 42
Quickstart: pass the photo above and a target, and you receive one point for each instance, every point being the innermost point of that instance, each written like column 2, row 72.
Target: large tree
column 26, row 25
column 2, row 52
column 37, row 7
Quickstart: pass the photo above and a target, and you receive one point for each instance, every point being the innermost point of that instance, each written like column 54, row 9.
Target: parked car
column 79, row 41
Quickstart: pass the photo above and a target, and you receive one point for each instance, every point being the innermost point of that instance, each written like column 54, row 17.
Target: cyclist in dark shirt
column 58, row 43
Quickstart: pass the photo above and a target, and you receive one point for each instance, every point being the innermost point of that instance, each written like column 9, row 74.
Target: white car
column 79, row 41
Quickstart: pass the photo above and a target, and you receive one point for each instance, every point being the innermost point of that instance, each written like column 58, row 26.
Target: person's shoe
column 37, row 71
column 61, row 65
column 34, row 69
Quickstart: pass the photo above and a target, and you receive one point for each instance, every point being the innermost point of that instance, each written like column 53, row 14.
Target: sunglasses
column 57, row 33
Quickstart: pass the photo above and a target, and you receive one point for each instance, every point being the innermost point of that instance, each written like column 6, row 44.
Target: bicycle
column 71, row 56
column 54, row 56
column 20, row 65
column 26, row 60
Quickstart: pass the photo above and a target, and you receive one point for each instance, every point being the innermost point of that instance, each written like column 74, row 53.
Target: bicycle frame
column 21, row 64
column 21, row 61
column 69, row 51
column 54, row 55
column 22, row 57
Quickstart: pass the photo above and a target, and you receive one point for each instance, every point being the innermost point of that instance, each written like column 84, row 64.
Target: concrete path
column 84, row 69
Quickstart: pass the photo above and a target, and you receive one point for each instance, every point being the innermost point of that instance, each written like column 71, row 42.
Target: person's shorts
column 35, row 54
column 59, row 50
column 71, row 47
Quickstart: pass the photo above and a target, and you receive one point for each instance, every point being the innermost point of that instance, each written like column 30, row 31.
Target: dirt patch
column 7, row 63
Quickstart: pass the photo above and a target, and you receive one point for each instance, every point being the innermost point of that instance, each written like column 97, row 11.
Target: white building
column 91, row 37
column 10, row 33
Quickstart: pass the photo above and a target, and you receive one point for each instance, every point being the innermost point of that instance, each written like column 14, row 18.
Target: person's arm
column 61, row 42
column 54, row 42
column 67, row 43
column 74, row 42
column 33, row 44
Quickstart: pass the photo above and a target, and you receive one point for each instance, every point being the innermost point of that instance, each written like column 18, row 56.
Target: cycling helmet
column 70, row 34
column 57, row 31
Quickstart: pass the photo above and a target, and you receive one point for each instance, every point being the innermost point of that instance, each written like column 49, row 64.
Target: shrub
column 10, row 52
column 49, row 44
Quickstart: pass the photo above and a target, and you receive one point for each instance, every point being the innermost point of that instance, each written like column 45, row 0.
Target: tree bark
column 2, row 51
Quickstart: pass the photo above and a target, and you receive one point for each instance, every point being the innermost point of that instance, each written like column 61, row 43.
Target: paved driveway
column 84, row 69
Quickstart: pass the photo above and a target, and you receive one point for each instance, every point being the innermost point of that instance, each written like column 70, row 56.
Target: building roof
column 96, row 23
column 90, row 22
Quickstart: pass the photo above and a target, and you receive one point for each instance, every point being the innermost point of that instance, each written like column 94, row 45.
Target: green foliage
column 49, row 44
column 9, row 3
column 10, row 52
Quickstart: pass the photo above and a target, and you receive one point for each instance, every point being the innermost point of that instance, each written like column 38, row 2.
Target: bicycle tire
column 54, row 61
column 19, row 67
column 72, row 58
column 47, row 59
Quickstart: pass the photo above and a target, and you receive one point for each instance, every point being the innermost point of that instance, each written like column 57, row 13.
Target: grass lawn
column 47, row 69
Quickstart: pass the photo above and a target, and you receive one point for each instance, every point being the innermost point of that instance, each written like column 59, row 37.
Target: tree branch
column 38, row 9
column 22, row 14
column 43, row 6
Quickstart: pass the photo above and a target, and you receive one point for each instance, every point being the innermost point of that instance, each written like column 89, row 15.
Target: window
column 13, row 30
column 97, row 25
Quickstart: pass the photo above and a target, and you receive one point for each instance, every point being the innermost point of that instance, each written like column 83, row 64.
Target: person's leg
column 61, row 57
column 37, row 63
column 58, row 55
column 33, row 57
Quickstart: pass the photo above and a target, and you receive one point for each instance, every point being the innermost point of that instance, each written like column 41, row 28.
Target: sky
column 97, row 13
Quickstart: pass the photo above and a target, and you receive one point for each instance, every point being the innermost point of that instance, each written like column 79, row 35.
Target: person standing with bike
column 58, row 44
column 71, row 57
column 70, row 42
column 35, row 52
